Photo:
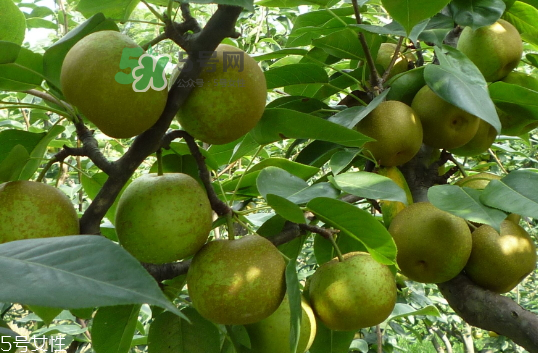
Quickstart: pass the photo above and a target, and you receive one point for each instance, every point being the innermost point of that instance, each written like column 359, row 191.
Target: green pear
column 356, row 293
column 444, row 125
column 272, row 334
column 229, row 102
column 29, row 210
column 163, row 218
column 88, row 80
column 237, row 282
column 517, row 123
column 499, row 261
column 495, row 49
column 384, row 57
column 477, row 181
column 433, row 245
column 481, row 141
column 397, row 131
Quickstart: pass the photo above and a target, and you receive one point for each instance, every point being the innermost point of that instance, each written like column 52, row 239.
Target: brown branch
column 395, row 57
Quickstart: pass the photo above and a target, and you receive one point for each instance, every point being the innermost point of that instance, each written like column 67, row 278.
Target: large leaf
column 516, row 193
column 515, row 100
column 476, row 13
column 302, row 171
column 277, row 124
column 351, row 116
column 115, row 9
column 342, row 44
column 285, row 208
column 23, row 74
column 12, row 22
column 295, row 74
column 113, row 328
column 465, row 203
column 55, row 54
column 402, row 310
column 72, row 272
column 410, row 13
column 8, row 52
column 357, row 224
column 276, row 181
column 458, row 81
column 370, row 186
column 525, row 18
column 172, row 334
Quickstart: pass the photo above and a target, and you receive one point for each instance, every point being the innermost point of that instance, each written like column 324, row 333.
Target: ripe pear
column 481, row 141
column 237, row 282
column 397, row 130
column 272, row 334
column 444, row 125
column 163, row 218
column 433, row 245
column 229, row 103
column 517, row 123
column 499, row 261
column 495, row 49
column 356, row 293
column 477, row 181
column 29, row 210
column 88, row 81
column 385, row 55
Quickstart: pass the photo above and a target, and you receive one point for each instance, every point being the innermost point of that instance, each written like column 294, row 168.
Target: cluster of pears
column 229, row 102
column 434, row 246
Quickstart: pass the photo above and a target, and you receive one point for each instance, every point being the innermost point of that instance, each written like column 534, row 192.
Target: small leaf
column 302, row 171
column 410, row 13
column 12, row 165
column 370, row 186
column 476, row 13
column 357, row 224
column 46, row 314
column 295, row 74
column 113, row 328
column 72, row 272
column 316, row 190
column 515, row 193
column 465, row 203
column 37, row 153
column 402, row 310
column 273, row 180
column 351, row 116
column 341, row 159
column 285, row 208
column 23, row 74
column 342, row 44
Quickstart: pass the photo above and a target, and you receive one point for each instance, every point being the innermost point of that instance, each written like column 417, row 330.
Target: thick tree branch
column 220, row 26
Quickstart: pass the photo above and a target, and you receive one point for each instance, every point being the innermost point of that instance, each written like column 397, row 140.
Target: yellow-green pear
column 88, row 80
column 481, row 141
column 517, row 123
column 495, row 49
column 397, row 130
column 237, row 282
column 29, row 210
column 272, row 334
column 433, row 245
column 477, row 181
column 230, row 100
column 444, row 125
column 356, row 293
column 522, row 79
column 499, row 261
column 163, row 218
column 385, row 55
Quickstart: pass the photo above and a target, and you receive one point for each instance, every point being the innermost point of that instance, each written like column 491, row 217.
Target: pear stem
column 336, row 248
column 159, row 154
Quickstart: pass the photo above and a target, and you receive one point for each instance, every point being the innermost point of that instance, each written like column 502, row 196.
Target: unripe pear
column 481, row 141
column 29, row 210
column 88, row 81
column 384, row 57
column 163, row 218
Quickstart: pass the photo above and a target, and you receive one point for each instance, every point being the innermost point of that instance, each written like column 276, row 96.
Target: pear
column 433, row 245
column 356, row 293
column 477, row 181
column 495, row 49
column 444, row 125
column 385, row 55
column 499, row 261
column 397, row 130
column 481, row 141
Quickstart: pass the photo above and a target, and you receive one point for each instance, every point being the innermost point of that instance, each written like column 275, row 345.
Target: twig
column 497, row 160
column 395, row 57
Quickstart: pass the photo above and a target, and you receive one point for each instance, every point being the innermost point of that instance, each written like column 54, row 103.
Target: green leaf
column 40, row 23
column 295, row 74
column 247, row 4
column 285, row 208
column 402, row 310
column 12, row 22
column 515, row 100
column 357, row 224
column 23, row 74
column 291, row 3
column 316, row 190
column 11, row 138
column 171, row 334
column 342, row 44
column 113, row 328
column 328, row 341
column 115, row 9
column 410, row 13
column 341, row 159
column 525, row 18
column 55, row 54
column 293, row 291
column 476, row 13
column 515, row 193
column 8, row 52
column 72, row 272
column 45, row 313
column 276, row 181
column 404, row 87
column 370, row 186
column 38, row 152
column 277, row 124
column 458, row 81
column 92, row 185
column 351, row 116
column 302, row 171
column 465, row 203
column 12, row 164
